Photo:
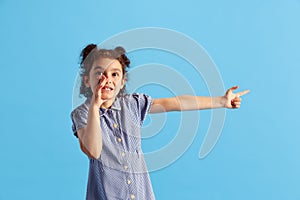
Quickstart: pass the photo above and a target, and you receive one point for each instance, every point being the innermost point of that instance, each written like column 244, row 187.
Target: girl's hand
column 97, row 98
column 233, row 100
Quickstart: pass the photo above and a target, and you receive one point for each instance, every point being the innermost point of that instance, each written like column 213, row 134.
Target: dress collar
column 115, row 106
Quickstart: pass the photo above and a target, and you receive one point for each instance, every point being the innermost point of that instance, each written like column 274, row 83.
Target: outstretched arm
column 188, row 102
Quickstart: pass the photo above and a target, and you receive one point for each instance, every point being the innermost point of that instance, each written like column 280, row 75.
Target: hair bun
column 86, row 51
column 120, row 50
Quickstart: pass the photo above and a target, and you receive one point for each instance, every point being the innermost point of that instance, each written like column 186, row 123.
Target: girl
column 108, row 124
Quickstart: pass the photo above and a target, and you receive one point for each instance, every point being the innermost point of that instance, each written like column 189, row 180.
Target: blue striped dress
column 120, row 173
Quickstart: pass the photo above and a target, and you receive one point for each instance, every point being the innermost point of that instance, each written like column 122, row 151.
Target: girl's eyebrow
column 98, row 67
column 116, row 69
column 102, row 69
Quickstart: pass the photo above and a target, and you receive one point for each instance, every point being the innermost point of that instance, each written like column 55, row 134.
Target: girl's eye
column 115, row 74
column 98, row 73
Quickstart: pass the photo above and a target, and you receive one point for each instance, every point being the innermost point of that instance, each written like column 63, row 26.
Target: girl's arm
column 90, row 137
column 187, row 102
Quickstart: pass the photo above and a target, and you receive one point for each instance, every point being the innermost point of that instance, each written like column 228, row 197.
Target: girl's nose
column 108, row 80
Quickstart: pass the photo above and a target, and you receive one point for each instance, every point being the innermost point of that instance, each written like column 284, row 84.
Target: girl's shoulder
column 135, row 97
column 83, row 108
column 134, row 100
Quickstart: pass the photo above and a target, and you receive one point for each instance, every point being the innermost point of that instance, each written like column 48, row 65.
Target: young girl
column 108, row 124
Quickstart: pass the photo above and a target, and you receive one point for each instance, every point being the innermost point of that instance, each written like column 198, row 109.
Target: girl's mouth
column 107, row 89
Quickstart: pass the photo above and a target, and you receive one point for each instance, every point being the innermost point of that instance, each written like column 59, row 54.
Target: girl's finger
column 237, row 99
column 229, row 91
column 102, row 81
column 101, row 84
column 235, row 103
column 243, row 92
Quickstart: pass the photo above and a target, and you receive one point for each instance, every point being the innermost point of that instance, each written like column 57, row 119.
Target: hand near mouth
column 97, row 97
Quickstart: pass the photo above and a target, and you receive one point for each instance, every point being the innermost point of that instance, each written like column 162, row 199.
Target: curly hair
column 91, row 53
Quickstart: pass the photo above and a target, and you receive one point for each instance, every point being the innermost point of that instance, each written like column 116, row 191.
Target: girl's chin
column 106, row 96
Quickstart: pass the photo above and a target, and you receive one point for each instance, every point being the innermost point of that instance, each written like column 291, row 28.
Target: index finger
column 101, row 82
column 243, row 92
column 101, row 79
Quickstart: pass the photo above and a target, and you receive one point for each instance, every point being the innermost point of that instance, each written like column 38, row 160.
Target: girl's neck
column 107, row 104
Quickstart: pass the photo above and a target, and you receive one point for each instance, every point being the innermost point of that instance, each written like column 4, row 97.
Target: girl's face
column 111, row 69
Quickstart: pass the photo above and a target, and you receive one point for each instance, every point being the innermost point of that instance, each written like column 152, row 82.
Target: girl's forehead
column 106, row 64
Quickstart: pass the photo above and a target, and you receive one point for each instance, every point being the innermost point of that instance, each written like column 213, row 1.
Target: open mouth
column 107, row 89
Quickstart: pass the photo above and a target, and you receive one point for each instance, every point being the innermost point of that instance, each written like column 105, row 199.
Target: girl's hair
column 91, row 53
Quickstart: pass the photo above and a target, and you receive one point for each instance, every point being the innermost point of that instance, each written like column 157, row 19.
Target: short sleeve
column 144, row 103
column 79, row 119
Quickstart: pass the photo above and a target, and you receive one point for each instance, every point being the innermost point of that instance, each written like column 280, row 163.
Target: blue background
column 255, row 44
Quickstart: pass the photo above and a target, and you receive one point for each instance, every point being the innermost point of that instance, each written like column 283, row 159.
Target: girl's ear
column 123, row 82
column 86, row 81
